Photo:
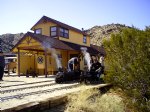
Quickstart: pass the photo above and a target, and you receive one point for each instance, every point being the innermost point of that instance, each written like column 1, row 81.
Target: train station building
column 34, row 50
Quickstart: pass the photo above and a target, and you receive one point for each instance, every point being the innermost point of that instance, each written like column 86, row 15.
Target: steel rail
column 26, row 83
column 23, row 88
column 20, row 96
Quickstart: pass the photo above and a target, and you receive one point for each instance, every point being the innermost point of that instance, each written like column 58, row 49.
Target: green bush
column 128, row 63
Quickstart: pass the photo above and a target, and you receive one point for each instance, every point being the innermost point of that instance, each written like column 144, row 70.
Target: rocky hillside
column 98, row 33
column 9, row 40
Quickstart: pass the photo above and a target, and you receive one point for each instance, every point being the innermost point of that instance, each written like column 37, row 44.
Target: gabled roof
column 45, row 18
column 77, row 47
column 54, row 43
column 58, row 44
column 100, row 49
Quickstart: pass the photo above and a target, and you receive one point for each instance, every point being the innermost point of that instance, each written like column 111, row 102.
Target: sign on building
column 40, row 62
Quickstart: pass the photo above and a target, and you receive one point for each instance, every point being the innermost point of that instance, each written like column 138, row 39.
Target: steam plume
column 86, row 57
column 48, row 47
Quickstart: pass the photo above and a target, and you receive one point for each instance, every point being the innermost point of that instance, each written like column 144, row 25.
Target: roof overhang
column 53, row 43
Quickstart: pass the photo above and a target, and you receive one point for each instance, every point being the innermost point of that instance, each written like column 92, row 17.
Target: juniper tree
column 128, row 61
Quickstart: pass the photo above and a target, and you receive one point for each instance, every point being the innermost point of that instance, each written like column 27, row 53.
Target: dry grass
column 93, row 101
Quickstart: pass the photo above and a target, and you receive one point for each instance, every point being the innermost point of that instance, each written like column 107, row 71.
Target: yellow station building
column 65, row 39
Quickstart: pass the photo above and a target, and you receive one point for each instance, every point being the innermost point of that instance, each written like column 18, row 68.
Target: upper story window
column 64, row 33
column 38, row 31
column 84, row 39
column 53, row 31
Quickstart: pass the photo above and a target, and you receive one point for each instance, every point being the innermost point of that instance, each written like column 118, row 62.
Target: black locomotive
column 85, row 76
column 64, row 75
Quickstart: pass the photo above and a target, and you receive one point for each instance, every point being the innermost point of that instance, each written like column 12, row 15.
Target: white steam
column 58, row 62
column 48, row 47
column 87, row 57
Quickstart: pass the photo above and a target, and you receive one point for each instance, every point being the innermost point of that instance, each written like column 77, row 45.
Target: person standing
column 2, row 65
column 101, row 60
column 73, row 64
column 95, row 65
column 95, row 68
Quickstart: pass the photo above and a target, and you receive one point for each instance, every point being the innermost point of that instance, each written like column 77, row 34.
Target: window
column 84, row 39
column 64, row 33
column 38, row 31
column 53, row 31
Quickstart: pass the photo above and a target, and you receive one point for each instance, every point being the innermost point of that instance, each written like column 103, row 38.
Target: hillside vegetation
column 98, row 33
column 9, row 40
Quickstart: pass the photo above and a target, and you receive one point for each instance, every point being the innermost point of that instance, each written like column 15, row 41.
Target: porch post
column 45, row 63
column 18, row 62
column 67, row 57
column 34, row 63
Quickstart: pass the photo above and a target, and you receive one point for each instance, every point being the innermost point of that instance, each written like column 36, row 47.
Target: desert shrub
column 93, row 101
column 128, row 60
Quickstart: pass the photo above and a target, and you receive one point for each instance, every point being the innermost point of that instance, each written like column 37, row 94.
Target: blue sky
column 20, row 15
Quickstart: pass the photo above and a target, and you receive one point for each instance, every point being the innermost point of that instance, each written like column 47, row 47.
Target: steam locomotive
column 64, row 75
column 85, row 76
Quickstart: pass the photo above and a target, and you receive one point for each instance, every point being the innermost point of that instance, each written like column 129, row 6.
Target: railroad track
column 20, row 96
column 26, row 83
column 23, row 88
